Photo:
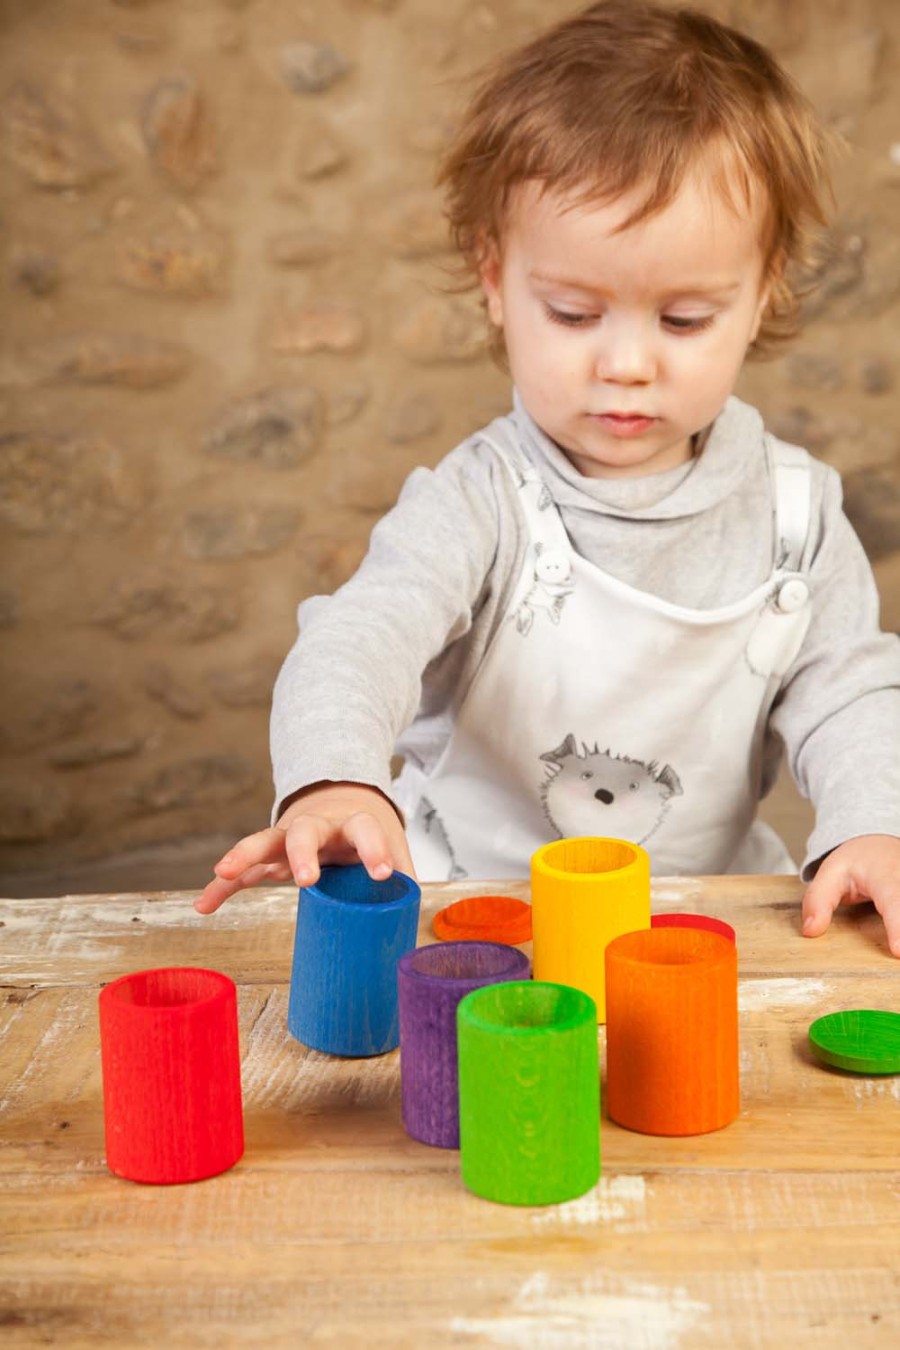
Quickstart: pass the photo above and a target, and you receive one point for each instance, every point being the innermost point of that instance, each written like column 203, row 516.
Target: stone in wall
column 233, row 531
column 847, row 443
column 417, row 227
column 173, row 262
column 35, row 270
column 87, row 753
column 857, row 275
column 275, row 428
column 317, row 153
column 875, row 375
column 872, row 503
column 162, row 685
column 813, row 370
column 34, row 812
column 411, row 417
column 178, row 132
column 439, row 331
column 130, row 360
column 302, row 247
column 248, row 685
column 206, row 780
column 345, row 402
column 59, row 484
column 139, row 35
column 50, row 145
column 186, row 610
column 46, row 712
column 311, row 67
column 321, row 326
column 333, row 558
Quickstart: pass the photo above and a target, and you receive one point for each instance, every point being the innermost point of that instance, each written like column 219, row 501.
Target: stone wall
column 228, row 339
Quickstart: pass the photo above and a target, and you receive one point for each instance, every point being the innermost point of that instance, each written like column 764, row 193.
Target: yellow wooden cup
column 584, row 893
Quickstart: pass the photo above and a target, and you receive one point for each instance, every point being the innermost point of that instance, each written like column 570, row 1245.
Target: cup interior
column 353, row 885
column 530, row 1006
column 589, row 855
column 466, row 960
column 175, row 987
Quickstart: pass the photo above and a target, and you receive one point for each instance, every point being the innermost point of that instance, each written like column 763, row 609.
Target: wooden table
column 336, row 1230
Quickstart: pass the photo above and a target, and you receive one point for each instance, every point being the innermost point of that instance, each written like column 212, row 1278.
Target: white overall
column 603, row 710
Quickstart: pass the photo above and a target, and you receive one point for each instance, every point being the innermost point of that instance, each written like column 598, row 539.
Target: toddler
column 610, row 611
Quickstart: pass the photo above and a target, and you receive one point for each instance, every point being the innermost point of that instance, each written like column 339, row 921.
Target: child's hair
column 627, row 95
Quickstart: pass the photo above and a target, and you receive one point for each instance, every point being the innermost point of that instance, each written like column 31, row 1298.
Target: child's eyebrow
column 708, row 290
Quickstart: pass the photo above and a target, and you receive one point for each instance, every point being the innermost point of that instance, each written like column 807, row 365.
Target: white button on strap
column 792, row 595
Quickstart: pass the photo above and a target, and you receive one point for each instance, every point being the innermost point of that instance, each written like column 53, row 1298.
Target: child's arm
column 866, row 868
column 353, row 680
column 838, row 714
column 329, row 823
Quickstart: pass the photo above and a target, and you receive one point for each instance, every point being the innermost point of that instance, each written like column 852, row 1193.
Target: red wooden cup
column 171, row 1075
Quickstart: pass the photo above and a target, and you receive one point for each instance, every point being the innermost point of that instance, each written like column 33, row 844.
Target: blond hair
column 627, row 96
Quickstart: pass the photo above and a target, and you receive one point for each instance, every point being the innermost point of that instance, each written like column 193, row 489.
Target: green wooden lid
column 863, row 1040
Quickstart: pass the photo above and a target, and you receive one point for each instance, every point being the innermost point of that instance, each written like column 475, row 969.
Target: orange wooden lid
column 485, row 918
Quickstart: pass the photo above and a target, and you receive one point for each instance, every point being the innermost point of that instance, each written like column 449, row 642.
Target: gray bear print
column 598, row 793
column 552, row 584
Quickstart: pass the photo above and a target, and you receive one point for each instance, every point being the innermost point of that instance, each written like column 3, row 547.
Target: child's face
column 622, row 346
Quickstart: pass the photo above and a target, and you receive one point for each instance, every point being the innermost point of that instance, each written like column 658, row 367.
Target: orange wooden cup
column 672, row 1031
column 484, row 918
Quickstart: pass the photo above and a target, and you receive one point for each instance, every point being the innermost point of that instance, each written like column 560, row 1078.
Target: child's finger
column 823, row 895
column 264, row 846
column 304, row 839
column 887, row 902
column 367, row 836
column 221, row 889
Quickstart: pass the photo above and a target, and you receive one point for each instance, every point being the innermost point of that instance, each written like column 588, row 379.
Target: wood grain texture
column 336, row 1229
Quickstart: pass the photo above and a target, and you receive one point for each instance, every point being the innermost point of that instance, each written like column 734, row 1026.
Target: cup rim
column 225, row 987
column 412, row 892
column 584, row 1014
column 540, row 864
column 515, row 959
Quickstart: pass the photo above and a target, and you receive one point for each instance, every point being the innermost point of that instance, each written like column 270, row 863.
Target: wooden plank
column 254, row 1277
column 338, row 1230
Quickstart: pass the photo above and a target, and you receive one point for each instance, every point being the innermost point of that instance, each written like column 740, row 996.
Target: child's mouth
column 625, row 424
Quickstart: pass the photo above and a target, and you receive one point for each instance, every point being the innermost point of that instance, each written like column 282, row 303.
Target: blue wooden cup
column 351, row 932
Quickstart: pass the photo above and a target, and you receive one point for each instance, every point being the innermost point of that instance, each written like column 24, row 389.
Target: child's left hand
column 864, row 868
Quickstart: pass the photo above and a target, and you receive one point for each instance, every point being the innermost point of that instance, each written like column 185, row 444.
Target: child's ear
column 489, row 268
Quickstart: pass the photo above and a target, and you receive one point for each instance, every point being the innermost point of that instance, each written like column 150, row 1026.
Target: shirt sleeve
column 838, row 712
column 353, row 679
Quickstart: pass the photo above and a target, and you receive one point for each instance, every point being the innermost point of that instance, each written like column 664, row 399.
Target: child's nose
column 626, row 356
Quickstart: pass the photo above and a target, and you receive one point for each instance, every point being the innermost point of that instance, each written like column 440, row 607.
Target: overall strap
column 792, row 488
column 542, row 516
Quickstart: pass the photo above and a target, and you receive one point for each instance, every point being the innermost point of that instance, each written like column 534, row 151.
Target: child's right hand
column 328, row 823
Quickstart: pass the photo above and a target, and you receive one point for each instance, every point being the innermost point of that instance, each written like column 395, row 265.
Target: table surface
column 338, row 1230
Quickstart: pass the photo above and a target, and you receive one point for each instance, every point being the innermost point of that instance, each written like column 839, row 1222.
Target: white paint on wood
column 613, row 1198
column 604, row 1312
column 757, row 995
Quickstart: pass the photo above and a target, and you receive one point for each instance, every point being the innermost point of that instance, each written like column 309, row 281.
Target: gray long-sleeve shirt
column 380, row 667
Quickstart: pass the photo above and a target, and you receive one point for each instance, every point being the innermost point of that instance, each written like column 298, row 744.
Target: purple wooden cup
column 431, row 981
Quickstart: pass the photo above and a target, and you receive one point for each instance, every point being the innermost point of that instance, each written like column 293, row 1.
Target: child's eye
column 568, row 320
column 680, row 323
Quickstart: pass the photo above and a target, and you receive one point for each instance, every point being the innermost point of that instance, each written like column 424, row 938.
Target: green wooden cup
column 529, row 1092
